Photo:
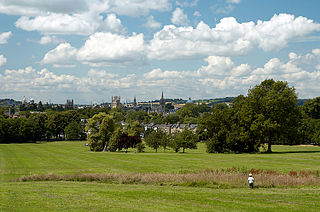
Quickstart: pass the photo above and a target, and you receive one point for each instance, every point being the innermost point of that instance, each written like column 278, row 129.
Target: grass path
column 75, row 196
column 74, row 157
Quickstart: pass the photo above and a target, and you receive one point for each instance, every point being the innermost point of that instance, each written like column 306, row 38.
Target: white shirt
column 250, row 179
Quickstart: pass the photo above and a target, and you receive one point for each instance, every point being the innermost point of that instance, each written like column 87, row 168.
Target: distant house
column 172, row 128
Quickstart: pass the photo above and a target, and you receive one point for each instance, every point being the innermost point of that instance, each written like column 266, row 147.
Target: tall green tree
column 274, row 112
column 100, row 129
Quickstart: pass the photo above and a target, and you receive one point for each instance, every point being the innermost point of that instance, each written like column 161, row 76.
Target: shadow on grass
column 290, row 152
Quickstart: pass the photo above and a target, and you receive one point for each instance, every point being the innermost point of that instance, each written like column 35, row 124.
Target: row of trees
column 106, row 134
column 267, row 115
column 42, row 126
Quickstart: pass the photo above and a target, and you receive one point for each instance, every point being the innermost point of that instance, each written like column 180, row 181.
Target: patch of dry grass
column 208, row 178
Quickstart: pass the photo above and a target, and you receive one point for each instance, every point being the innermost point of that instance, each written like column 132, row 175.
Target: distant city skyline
column 91, row 50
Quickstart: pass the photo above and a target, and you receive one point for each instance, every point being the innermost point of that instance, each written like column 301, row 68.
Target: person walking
column 250, row 181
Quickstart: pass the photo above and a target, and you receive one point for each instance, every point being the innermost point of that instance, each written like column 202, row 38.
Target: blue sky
column 92, row 50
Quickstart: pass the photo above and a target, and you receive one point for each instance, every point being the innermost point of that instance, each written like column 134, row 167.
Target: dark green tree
column 275, row 114
column 312, row 108
column 74, row 131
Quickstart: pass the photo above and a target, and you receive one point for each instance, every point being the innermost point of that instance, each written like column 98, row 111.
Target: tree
column 214, row 129
column 34, row 127
column 134, row 129
column 171, row 118
column 153, row 139
column 100, row 129
column 275, row 114
column 185, row 140
column 312, row 108
column 74, row 131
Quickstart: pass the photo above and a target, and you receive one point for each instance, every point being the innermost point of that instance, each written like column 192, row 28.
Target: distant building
column 31, row 101
column 190, row 101
column 115, row 102
column 134, row 102
column 24, row 100
column 70, row 104
column 162, row 104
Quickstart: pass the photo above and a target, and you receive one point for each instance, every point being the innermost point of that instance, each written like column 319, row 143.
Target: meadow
column 163, row 181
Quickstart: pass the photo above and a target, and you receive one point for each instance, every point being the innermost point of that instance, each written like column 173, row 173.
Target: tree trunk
column 269, row 147
column 105, row 147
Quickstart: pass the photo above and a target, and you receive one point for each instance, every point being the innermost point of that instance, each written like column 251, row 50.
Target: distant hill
column 5, row 102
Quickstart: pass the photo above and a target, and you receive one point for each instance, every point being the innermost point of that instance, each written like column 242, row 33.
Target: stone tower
column 115, row 101
column 162, row 103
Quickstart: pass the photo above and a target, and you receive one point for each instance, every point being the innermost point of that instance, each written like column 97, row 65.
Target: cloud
column 187, row 3
column 47, row 39
column 228, row 37
column 138, row 7
column 59, row 24
column 85, row 19
column 101, row 49
column 220, row 77
column 4, row 37
column 197, row 14
column 233, row 1
column 152, row 23
column 3, row 60
column 62, row 56
column 40, row 7
column 112, row 24
column 104, row 49
column 179, row 18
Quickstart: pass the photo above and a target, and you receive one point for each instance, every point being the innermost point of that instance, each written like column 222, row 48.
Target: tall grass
column 207, row 178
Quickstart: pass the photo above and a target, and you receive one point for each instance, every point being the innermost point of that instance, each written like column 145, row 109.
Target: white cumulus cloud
column 3, row 60
column 104, row 49
column 4, row 37
column 228, row 37
column 47, row 39
column 179, row 18
column 62, row 56
column 112, row 24
column 152, row 23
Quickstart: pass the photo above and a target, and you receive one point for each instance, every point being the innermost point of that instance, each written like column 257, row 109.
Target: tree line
column 268, row 115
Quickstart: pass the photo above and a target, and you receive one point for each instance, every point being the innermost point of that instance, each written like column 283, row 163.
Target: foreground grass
column 84, row 196
column 61, row 158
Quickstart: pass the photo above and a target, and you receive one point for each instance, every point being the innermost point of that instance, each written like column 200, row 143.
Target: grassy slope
column 74, row 157
column 75, row 196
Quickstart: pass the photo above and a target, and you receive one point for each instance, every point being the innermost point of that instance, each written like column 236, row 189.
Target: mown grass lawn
column 74, row 157
column 85, row 196
column 60, row 158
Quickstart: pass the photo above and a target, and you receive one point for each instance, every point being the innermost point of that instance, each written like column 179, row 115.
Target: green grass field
column 61, row 158
column 76, row 196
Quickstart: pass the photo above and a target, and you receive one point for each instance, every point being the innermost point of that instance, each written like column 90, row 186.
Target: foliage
column 156, row 138
column 268, row 114
column 312, row 108
column 100, row 129
column 140, row 147
column 120, row 140
column 139, row 116
column 185, row 140
column 74, row 131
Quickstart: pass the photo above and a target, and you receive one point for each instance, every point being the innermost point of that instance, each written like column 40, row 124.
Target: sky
column 90, row 50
